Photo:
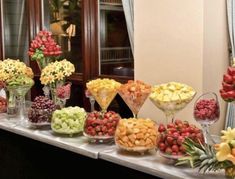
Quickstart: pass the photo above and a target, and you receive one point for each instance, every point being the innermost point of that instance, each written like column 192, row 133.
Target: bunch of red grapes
column 45, row 44
column 173, row 135
column 41, row 110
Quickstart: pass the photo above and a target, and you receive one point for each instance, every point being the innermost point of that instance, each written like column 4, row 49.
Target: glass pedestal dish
column 136, row 135
column 171, row 98
column 68, row 121
column 100, row 127
column 40, row 112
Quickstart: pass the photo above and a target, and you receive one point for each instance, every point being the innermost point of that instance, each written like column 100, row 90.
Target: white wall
column 170, row 45
column 215, row 51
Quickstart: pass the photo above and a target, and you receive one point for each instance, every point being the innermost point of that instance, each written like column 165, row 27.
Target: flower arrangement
column 212, row 157
column 56, row 71
column 44, row 49
column 10, row 70
column 53, row 76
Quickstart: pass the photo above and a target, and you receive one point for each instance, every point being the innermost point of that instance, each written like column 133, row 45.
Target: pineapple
column 202, row 156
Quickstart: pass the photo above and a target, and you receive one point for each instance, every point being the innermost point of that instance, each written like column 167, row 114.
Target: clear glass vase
column 60, row 93
column 11, row 102
column 16, row 103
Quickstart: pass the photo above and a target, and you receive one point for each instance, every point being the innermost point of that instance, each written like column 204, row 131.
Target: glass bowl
column 171, row 97
column 171, row 157
column 101, row 126
column 137, row 135
column 68, row 120
column 39, row 117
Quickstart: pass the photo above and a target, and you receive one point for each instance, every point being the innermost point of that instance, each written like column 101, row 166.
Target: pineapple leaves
column 201, row 156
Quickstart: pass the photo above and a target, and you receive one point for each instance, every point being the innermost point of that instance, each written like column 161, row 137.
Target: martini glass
column 134, row 93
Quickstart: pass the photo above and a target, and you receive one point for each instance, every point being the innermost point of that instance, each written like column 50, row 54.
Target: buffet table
column 150, row 163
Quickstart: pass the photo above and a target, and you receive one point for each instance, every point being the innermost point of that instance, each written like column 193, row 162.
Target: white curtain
column 231, row 26
column 128, row 6
column 15, row 29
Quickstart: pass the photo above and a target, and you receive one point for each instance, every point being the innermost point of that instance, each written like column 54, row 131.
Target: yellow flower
column 223, row 151
column 59, row 76
column 10, row 68
column 228, row 135
column 57, row 70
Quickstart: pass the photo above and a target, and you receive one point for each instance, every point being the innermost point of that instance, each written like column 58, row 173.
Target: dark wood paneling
column 35, row 25
column 1, row 32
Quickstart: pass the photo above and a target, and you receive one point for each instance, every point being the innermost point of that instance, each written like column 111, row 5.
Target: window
column 15, row 31
column 115, row 51
column 63, row 19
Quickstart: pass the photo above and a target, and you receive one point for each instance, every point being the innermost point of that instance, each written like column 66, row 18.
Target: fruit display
column 68, row 120
column 134, row 93
column 136, row 134
column 103, row 90
column 228, row 89
column 101, row 125
column 3, row 104
column 173, row 135
column 41, row 110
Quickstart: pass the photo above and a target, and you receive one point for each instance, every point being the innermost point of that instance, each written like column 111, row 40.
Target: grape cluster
column 41, row 110
column 44, row 42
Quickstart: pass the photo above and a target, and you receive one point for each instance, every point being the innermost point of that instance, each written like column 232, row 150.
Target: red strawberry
column 231, row 94
column 228, row 79
column 227, row 87
column 231, row 71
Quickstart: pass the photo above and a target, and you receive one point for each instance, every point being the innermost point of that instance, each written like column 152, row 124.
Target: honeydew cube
column 183, row 96
column 175, row 97
column 172, row 88
column 166, row 98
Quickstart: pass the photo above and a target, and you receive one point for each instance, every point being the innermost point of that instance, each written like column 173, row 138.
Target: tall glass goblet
column 207, row 112
column 171, row 98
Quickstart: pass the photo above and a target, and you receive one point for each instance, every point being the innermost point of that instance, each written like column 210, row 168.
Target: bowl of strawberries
column 172, row 136
column 100, row 127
